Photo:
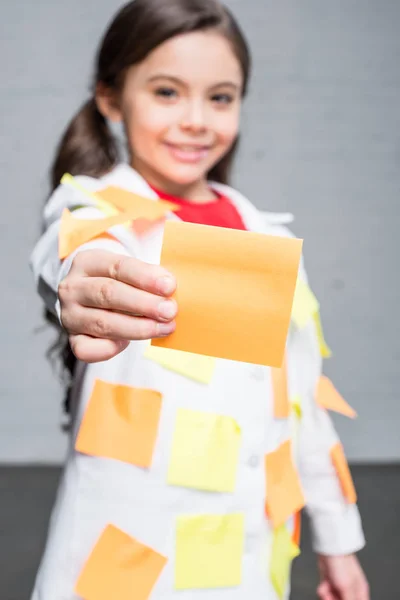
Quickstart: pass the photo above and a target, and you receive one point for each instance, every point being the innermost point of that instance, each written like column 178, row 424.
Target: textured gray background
column 321, row 140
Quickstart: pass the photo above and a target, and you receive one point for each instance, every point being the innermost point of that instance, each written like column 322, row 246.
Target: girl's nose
column 194, row 117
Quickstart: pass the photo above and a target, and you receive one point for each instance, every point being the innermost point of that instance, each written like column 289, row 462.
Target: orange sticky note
column 119, row 568
column 120, row 422
column 280, row 392
column 343, row 471
column 234, row 291
column 146, row 207
column 296, row 537
column 284, row 493
column 74, row 232
column 328, row 397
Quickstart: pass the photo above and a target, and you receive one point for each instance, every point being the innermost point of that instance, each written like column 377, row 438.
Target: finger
column 100, row 292
column 151, row 278
column 109, row 325
column 91, row 350
column 324, row 591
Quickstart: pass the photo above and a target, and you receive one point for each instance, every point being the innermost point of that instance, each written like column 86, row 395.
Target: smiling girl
column 174, row 73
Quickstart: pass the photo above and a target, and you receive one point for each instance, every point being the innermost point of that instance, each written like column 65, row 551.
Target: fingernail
column 165, row 328
column 167, row 309
column 166, row 285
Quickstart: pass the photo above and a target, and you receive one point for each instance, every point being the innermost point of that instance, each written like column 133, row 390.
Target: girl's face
column 180, row 109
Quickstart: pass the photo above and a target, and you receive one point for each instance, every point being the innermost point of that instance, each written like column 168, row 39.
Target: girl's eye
column 165, row 92
column 222, row 98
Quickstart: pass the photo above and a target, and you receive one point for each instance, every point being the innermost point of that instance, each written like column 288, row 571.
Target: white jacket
column 95, row 491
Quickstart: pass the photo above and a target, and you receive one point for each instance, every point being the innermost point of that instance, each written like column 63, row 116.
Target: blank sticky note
column 209, row 551
column 342, row 468
column 284, row 550
column 284, row 493
column 296, row 407
column 297, row 528
column 205, row 451
column 234, row 291
column 324, row 349
column 280, row 392
column 194, row 366
column 305, row 304
column 147, row 208
column 120, row 422
column 328, row 397
column 74, row 231
column 119, row 568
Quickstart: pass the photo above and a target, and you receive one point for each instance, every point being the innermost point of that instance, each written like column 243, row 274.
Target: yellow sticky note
column 305, row 304
column 205, row 451
column 296, row 406
column 324, row 349
column 195, row 366
column 234, row 294
column 117, row 565
column 209, row 551
column 284, row 550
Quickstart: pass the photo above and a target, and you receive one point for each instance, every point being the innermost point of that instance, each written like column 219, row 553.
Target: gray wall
column 322, row 140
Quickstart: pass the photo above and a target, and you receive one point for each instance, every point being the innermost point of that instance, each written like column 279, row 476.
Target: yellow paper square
column 209, row 551
column 324, row 349
column 205, row 451
column 305, row 304
column 284, row 550
column 195, row 366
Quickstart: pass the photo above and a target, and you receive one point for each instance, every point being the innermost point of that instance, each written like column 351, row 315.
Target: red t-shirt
column 219, row 212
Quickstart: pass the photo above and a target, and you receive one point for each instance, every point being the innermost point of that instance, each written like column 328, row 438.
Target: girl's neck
column 198, row 192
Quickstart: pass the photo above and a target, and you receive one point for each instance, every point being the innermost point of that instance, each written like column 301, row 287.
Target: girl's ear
column 107, row 102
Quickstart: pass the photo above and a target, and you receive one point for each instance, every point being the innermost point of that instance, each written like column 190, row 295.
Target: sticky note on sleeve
column 284, row 493
column 117, row 566
column 284, row 550
column 342, row 468
column 324, row 349
column 328, row 397
column 235, row 291
column 305, row 304
column 120, row 422
column 198, row 367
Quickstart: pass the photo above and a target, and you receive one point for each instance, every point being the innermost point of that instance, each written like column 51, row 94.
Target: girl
column 124, row 525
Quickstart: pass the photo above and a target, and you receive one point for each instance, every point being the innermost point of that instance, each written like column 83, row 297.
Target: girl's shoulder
column 257, row 220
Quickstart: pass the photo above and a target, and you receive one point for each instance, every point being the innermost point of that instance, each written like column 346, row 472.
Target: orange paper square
column 120, row 422
column 284, row 494
column 235, row 291
column 146, row 208
column 328, row 397
column 343, row 471
column 297, row 528
column 119, row 568
column 74, row 231
column 280, row 392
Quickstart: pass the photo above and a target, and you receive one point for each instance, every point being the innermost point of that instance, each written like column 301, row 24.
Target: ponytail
column 87, row 147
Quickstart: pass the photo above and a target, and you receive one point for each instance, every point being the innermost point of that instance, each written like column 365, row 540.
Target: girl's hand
column 342, row 578
column 107, row 300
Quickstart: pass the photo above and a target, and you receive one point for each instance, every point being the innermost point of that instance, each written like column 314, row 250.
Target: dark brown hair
column 87, row 146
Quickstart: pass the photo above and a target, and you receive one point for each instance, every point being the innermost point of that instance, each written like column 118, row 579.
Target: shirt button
column 258, row 374
column 253, row 461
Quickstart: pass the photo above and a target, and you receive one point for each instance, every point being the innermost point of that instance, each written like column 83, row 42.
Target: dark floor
column 26, row 496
